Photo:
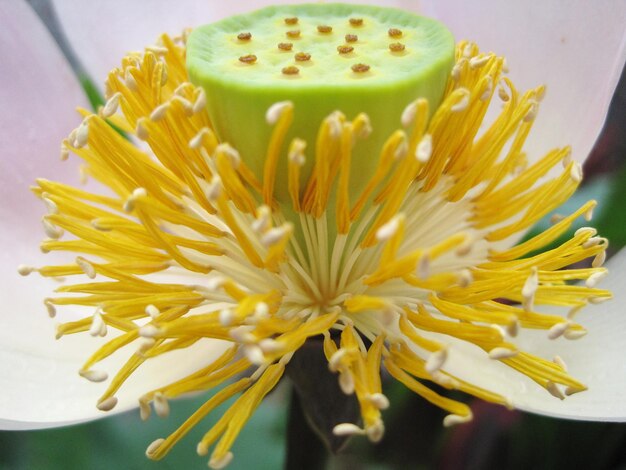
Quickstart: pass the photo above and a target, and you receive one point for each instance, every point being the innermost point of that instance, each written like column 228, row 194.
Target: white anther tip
column 347, row 429
column 453, row 420
column 502, row 353
column 275, row 111
column 94, row 375
column 107, row 404
column 25, row 270
column 218, row 463
column 154, row 446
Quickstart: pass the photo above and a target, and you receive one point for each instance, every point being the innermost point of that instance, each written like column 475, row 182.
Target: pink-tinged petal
column 101, row 33
column 38, row 96
column 38, row 375
column 576, row 48
column 596, row 360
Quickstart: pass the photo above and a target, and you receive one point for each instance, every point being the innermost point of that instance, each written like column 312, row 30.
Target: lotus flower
column 577, row 51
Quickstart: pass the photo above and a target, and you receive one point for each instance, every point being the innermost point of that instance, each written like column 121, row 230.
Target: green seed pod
column 376, row 76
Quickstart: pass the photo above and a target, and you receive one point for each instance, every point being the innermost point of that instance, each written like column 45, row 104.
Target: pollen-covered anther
column 98, row 326
column 394, row 32
column 275, row 111
column 397, row 47
column 558, row 360
column 324, row 29
column 52, row 311
column 197, row 140
column 144, row 409
column 351, row 38
column 345, row 49
column 244, row 36
column 453, row 420
column 157, row 50
column 82, row 134
column 557, row 330
column 530, row 288
column 479, row 61
column 248, row 59
column 107, row 404
column 410, row 111
column 86, row 267
column 25, row 270
column 422, row 271
column 141, row 130
column 111, row 106
column 465, row 278
column 554, row 390
column 360, row 68
column 296, row 152
column 595, row 278
column 233, row 155
column 463, row 102
column 214, row 188
column 532, row 112
column 379, row 400
column 161, row 405
column 436, row 360
column 512, row 329
column 254, row 354
column 221, row 462
column 302, row 57
column 269, row 345
column 388, row 230
column 138, row 193
column 243, row 334
column 574, row 333
column 64, row 153
column 348, row 429
column 502, row 353
column 335, row 360
column 424, row 149
column 152, row 311
column 599, row 260
column 149, row 331
column 94, row 375
column 129, row 79
column 154, row 446
column 376, row 431
column 275, row 235
column 159, row 112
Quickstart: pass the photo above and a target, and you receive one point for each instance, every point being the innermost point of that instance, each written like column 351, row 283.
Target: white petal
column 39, row 376
column 577, row 48
column 102, row 32
column 597, row 360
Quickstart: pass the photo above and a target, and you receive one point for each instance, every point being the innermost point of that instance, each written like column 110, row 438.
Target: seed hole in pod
column 244, row 36
column 292, row 20
column 395, row 33
column 360, row 68
column 351, row 38
column 396, row 47
column 294, row 33
column 345, row 49
column 356, row 21
column 325, row 29
column 285, row 46
column 291, row 70
column 248, row 59
column 302, row 57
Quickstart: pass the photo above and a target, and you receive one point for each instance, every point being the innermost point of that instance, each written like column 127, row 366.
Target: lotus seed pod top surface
column 323, row 58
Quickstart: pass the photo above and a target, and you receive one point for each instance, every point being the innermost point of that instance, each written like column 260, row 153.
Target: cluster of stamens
column 417, row 250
